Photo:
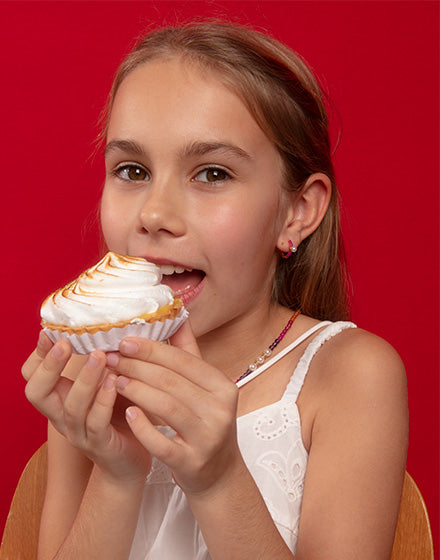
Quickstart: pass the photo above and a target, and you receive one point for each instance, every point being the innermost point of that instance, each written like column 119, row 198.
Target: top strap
column 297, row 380
column 281, row 354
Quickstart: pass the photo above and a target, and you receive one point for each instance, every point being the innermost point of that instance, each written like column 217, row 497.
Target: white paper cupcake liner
column 108, row 341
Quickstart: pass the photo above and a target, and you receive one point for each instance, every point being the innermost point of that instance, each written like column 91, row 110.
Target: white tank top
column 271, row 444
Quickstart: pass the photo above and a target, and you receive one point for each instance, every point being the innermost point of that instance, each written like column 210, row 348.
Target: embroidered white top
column 270, row 442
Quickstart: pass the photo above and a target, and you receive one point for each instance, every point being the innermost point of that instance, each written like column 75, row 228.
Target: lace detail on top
column 286, row 472
column 267, row 428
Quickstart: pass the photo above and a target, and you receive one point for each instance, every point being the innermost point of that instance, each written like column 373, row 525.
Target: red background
column 379, row 62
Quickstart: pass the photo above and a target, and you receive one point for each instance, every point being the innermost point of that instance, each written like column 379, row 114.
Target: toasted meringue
column 118, row 292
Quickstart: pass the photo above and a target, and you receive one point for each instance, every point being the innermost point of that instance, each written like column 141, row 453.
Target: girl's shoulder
column 343, row 347
column 357, row 350
column 358, row 366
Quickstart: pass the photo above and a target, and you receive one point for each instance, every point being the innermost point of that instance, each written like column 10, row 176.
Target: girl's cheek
column 113, row 227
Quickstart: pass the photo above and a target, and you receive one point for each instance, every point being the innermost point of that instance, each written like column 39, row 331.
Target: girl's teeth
column 168, row 269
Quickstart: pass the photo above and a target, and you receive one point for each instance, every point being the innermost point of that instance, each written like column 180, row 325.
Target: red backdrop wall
column 379, row 62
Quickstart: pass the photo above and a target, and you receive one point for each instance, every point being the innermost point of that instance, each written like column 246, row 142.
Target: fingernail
column 131, row 413
column 42, row 341
column 109, row 383
column 57, row 351
column 122, row 382
column 92, row 362
column 112, row 360
column 129, row 347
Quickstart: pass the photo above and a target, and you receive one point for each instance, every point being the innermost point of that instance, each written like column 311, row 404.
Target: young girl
column 270, row 427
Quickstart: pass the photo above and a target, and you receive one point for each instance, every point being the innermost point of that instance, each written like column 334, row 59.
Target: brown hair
column 286, row 101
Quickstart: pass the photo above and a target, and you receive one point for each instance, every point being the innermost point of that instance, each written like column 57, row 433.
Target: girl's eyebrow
column 195, row 148
column 202, row 148
column 129, row 146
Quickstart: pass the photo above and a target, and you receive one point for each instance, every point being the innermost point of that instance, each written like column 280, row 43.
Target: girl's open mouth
column 186, row 283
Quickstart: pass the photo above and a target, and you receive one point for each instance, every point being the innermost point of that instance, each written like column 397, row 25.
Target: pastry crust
column 162, row 314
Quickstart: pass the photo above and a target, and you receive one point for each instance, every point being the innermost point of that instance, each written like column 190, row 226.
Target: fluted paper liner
column 108, row 341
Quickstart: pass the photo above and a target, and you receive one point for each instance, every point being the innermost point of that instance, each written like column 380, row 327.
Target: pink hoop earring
column 290, row 252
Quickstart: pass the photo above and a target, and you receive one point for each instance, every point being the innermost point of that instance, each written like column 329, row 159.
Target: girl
column 264, row 430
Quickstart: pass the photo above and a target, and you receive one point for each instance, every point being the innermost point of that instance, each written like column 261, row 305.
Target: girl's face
column 193, row 183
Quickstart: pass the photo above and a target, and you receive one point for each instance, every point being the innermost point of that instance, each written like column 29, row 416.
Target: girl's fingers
column 202, row 391
column 46, row 388
column 43, row 380
column 52, row 407
column 100, row 415
column 161, row 404
column 44, row 344
column 43, row 347
column 175, row 359
column 156, row 443
column 82, row 394
column 185, row 340
column 161, row 378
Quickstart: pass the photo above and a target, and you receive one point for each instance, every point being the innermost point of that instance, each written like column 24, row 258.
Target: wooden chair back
column 413, row 540
column 20, row 537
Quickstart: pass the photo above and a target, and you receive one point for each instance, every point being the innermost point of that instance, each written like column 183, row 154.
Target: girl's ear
column 305, row 211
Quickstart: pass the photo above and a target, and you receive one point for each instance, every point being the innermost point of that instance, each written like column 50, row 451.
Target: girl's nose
column 162, row 212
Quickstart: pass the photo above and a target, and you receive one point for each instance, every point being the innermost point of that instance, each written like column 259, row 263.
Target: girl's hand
column 198, row 401
column 84, row 410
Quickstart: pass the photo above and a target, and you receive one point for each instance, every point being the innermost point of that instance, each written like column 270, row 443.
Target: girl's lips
column 186, row 285
column 191, row 294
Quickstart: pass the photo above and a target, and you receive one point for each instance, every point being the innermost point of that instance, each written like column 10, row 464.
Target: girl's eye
column 212, row 175
column 131, row 172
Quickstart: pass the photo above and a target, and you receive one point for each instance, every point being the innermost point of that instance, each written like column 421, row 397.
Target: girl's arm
column 357, row 451
column 86, row 514
column 96, row 468
column 235, row 521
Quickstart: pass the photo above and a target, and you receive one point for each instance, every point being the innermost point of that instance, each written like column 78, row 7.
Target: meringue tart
column 119, row 296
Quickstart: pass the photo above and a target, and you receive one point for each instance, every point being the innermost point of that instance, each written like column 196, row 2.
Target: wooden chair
column 413, row 540
column 20, row 537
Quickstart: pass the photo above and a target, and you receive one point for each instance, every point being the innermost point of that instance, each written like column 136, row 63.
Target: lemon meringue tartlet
column 119, row 296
